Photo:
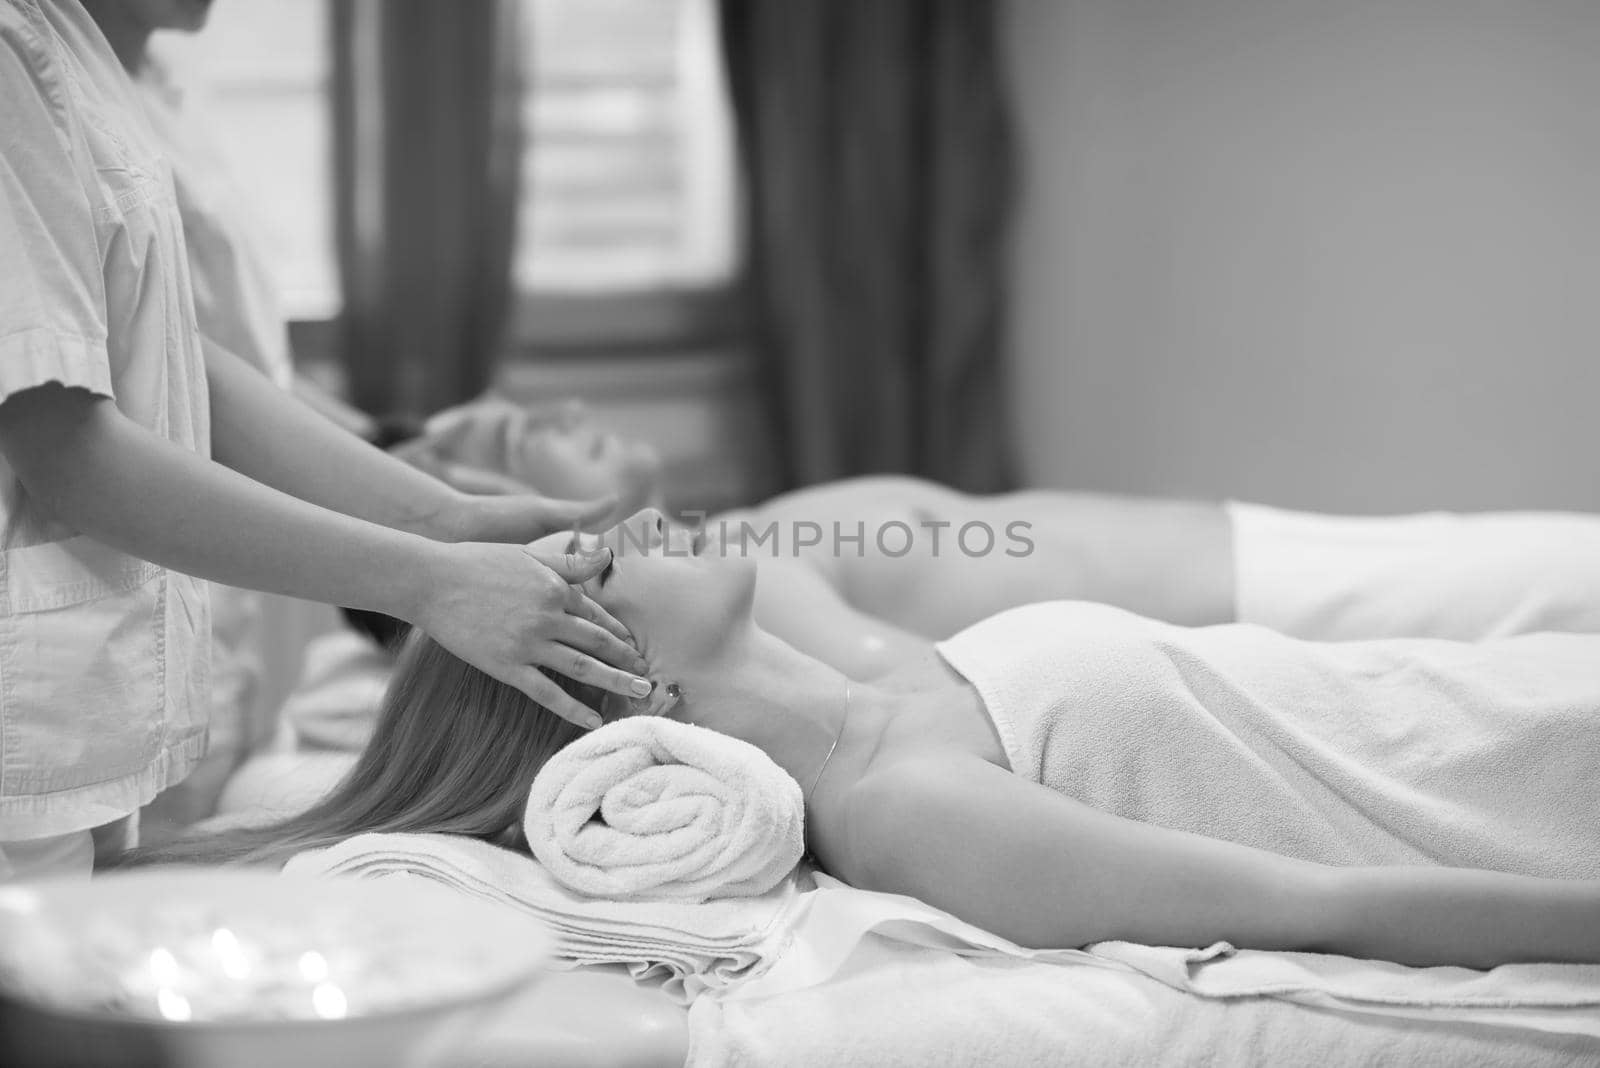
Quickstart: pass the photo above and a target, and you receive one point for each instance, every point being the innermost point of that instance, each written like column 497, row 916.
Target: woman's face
column 676, row 592
column 572, row 457
column 559, row 452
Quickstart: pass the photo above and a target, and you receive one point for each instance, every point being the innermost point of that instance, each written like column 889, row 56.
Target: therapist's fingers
column 575, row 567
column 605, row 647
column 585, row 607
column 537, row 685
column 579, row 666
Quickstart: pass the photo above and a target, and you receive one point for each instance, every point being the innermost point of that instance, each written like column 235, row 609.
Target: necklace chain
column 832, row 747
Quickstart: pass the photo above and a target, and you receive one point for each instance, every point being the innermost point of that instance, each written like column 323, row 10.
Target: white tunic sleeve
column 52, row 301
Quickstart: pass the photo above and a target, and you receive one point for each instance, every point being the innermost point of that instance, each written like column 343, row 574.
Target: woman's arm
column 1464, row 916
column 1046, row 871
column 495, row 606
column 333, row 409
column 269, row 436
column 104, row 475
column 933, row 560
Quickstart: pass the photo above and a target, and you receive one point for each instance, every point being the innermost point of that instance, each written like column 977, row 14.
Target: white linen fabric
column 236, row 308
column 335, row 704
column 1414, row 751
column 1431, row 575
column 886, row 980
column 103, row 656
column 816, row 972
column 59, row 856
column 236, row 299
column 687, row 948
column 1553, row 998
column 646, row 807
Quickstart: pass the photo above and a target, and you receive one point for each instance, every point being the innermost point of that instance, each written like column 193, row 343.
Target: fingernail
column 642, row 687
column 592, row 722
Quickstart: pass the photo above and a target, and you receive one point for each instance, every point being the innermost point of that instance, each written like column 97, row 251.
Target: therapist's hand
column 508, row 611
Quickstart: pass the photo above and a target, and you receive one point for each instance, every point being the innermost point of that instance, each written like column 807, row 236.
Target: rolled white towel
column 647, row 807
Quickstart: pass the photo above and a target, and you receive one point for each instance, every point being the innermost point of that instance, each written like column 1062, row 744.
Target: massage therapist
column 138, row 457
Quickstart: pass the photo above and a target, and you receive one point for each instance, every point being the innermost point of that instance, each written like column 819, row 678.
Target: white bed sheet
column 895, row 1005
column 884, row 980
column 873, row 984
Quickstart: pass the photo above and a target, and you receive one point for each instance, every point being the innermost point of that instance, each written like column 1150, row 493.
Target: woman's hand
column 508, row 612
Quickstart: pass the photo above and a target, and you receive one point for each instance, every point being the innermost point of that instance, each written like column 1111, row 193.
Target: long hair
column 454, row 751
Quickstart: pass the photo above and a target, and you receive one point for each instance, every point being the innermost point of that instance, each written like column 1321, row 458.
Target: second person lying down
column 896, row 558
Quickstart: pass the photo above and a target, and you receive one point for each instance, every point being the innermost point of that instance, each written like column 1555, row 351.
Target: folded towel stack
column 688, row 948
column 649, row 808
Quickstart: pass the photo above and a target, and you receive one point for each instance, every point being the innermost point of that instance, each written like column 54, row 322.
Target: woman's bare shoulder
column 852, row 499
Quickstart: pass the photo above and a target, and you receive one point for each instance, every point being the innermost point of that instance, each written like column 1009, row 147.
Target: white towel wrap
column 647, row 807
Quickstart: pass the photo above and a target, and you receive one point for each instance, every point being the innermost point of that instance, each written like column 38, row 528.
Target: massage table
column 931, row 1008
column 895, row 1002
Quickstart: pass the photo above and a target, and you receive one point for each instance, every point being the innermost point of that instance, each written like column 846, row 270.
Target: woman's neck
column 763, row 691
column 128, row 35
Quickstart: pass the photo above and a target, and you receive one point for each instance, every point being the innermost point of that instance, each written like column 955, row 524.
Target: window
column 628, row 219
column 627, row 228
column 260, row 74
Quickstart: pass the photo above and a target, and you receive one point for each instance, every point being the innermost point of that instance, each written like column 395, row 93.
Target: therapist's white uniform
column 236, row 302
column 236, row 308
column 103, row 657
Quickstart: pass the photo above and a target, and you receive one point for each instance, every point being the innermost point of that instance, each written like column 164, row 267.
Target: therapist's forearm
column 339, row 413
column 102, row 474
column 271, row 437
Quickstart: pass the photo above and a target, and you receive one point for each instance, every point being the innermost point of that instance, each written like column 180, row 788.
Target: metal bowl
column 199, row 966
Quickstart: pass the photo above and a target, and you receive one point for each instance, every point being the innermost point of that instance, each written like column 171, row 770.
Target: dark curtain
column 878, row 161
column 429, row 141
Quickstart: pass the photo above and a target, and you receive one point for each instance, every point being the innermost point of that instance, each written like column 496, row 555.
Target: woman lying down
column 1067, row 772
column 892, row 561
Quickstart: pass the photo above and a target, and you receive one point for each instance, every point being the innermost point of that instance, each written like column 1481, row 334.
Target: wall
column 1340, row 255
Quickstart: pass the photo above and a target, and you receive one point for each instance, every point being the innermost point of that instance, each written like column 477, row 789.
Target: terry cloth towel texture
column 1402, row 751
column 688, row 948
column 649, row 808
